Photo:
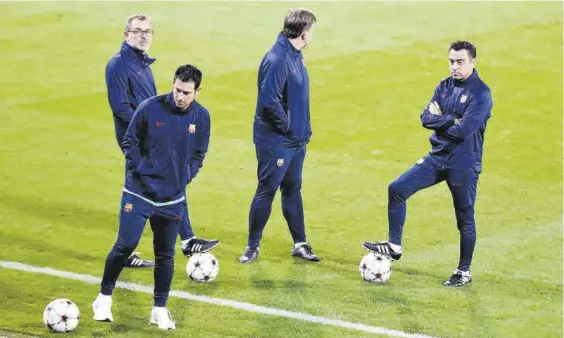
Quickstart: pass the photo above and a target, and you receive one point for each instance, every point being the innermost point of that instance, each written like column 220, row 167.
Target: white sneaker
column 102, row 307
column 162, row 318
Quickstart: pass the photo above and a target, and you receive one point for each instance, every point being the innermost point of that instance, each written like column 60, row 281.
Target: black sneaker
column 249, row 256
column 134, row 261
column 458, row 278
column 383, row 248
column 196, row 245
column 304, row 251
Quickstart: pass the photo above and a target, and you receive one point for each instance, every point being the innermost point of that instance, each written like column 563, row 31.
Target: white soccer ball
column 202, row 267
column 375, row 268
column 61, row 315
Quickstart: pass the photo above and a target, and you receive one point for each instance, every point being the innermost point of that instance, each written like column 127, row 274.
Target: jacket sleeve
column 436, row 122
column 270, row 92
column 118, row 85
column 134, row 135
column 202, row 142
column 474, row 116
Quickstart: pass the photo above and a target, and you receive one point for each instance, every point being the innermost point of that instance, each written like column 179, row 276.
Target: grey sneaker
column 458, row 278
column 304, row 251
column 249, row 256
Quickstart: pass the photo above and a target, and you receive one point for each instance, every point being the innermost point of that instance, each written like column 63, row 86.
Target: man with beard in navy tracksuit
column 165, row 145
column 458, row 114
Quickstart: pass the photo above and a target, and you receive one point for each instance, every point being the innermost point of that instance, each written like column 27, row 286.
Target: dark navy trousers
column 165, row 223
column 278, row 167
column 426, row 173
column 186, row 226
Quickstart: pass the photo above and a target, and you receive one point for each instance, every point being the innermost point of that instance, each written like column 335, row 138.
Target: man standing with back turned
column 458, row 114
column 281, row 131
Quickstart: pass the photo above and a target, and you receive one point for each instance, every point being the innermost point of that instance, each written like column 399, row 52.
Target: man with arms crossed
column 458, row 114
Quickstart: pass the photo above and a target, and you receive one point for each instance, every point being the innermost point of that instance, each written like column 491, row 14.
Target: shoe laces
column 308, row 249
column 250, row 251
column 191, row 243
column 461, row 273
column 200, row 241
column 458, row 277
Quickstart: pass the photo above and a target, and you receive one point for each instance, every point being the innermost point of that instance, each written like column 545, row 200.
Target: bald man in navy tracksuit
column 282, row 128
column 165, row 146
column 129, row 81
column 458, row 114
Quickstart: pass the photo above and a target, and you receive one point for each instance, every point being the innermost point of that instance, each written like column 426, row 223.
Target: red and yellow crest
column 128, row 207
column 192, row 128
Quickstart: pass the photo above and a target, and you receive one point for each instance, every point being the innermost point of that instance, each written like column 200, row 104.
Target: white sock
column 297, row 245
column 101, row 296
column 464, row 273
column 395, row 247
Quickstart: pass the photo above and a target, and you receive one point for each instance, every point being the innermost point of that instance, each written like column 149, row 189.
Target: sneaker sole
column 157, row 325
column 247, row 261
column 307, row 259
column 456, row 285
column 103, row 319
column 107, row 320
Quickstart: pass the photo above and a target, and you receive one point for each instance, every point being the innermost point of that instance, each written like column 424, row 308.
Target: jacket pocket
column 142, row 168
column 151, row 174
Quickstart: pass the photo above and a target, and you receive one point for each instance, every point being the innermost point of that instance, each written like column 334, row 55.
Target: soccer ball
column 61, row 315
column 202, row 267
column 375, row 268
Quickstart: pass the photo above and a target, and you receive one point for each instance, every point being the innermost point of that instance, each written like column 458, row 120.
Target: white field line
column 217, row 301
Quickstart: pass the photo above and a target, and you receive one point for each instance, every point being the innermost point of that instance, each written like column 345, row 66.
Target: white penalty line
column 217, row 301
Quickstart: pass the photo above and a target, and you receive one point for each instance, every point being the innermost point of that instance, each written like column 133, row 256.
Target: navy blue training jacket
column 459, row 146
column 282, row 116
column 165, row 148
column 129, row 81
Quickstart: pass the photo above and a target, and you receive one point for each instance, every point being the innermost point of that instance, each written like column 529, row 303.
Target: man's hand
column 435, row 109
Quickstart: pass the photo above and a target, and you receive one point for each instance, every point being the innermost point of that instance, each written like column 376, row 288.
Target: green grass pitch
column 373, row 66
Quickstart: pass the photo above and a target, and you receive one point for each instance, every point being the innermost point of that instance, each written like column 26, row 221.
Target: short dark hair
column 187, row 73
column 460, row 45
column 298, row 21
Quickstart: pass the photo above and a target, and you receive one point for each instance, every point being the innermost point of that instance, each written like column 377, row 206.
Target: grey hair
column 298, row 21
column 140, row 17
